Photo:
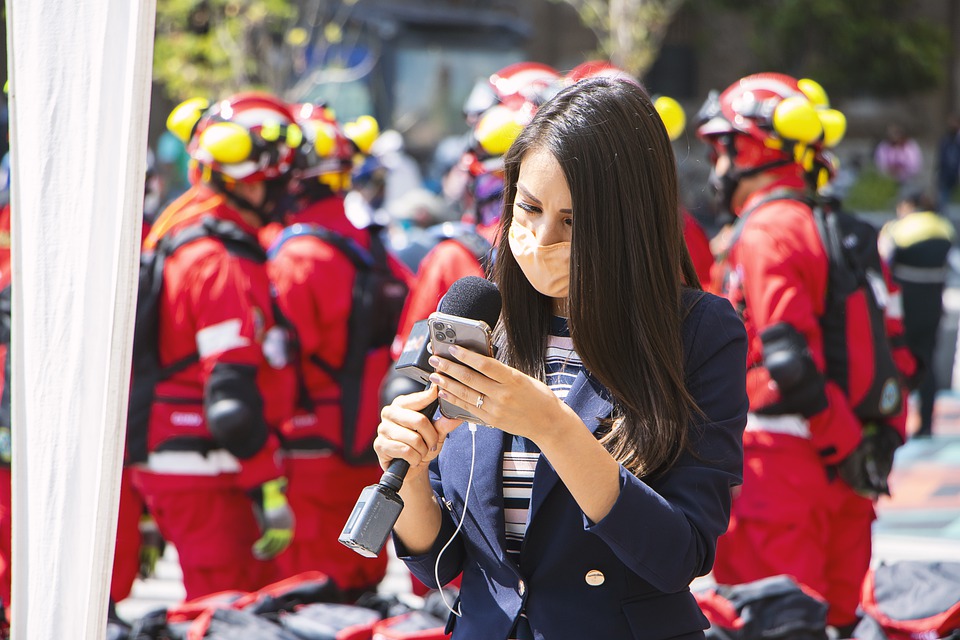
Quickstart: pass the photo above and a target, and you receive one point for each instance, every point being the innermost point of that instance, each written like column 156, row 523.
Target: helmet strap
column 274, row 192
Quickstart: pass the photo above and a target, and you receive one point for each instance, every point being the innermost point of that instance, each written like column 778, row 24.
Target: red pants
column 789, row 518
column 210, row 521
column 322, row 492
column 126, row 555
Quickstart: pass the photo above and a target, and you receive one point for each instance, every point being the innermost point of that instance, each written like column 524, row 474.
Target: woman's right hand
column 406, row 433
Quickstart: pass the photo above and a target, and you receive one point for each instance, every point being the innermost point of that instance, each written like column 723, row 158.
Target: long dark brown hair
column 628, row 265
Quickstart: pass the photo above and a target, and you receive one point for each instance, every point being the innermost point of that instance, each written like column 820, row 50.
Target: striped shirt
column 521, row 455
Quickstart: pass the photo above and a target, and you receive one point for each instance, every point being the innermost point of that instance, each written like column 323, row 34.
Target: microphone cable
column 436, row 567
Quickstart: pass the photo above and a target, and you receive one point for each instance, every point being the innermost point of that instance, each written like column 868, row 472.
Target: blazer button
column 521, row 588
column 594, row 578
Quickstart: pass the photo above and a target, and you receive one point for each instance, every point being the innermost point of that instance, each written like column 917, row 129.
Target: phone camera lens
column 438, row 326
column 441, row 336
column 451, row 334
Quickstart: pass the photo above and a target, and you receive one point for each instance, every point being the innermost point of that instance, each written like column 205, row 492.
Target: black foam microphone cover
column 475, row 298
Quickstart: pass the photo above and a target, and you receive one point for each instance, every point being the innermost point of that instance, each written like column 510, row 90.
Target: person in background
column 898, row 156
column 403, row 173
column 413, row 216
column 796, row 514
column 637, row 401
column 172, row 167
column 948, row 163
column 328, row 439
column 214, row 477
column 915, row 246
column 365, row 200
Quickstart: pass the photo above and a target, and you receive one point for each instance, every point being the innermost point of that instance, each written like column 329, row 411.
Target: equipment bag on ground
column 775, row 607
column 324, row 621
column 416, row 625
column 911, row 600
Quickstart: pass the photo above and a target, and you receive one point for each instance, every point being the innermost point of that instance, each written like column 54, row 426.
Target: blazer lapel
column 487, row 513
column 591, row 402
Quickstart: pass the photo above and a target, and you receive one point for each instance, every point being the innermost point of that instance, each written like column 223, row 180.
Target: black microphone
column 379, row 505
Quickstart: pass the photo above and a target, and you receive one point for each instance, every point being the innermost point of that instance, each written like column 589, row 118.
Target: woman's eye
column 529, row 208
column 568, row 222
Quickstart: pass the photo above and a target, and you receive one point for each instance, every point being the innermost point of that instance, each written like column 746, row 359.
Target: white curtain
column 79, row 92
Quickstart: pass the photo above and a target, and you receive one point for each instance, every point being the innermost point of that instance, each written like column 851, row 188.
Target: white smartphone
column 475, row 335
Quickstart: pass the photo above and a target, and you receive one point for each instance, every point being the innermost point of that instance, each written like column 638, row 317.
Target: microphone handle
column 398, row 467
column 393, row 476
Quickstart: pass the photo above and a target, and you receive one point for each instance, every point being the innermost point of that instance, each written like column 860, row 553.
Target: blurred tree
column 214, row 47
column 874, row 47
column 630, row 32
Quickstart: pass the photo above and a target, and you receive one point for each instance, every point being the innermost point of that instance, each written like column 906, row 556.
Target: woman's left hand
column 499, row 395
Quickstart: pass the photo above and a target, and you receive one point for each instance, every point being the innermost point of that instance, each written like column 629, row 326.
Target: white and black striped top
column 521, row 455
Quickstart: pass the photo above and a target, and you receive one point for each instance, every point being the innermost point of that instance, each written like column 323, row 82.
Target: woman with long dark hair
column 617, row 399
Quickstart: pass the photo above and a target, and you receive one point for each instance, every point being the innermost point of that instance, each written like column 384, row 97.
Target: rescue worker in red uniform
column 214, row 477
column 794, row 514
column 314, row 283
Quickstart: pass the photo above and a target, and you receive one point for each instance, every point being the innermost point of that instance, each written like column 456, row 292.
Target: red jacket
column 699, row 247
column 777, row 272
column 313, row 283
column 218, row 305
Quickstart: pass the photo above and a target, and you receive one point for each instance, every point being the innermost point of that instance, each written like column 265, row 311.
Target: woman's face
column 542, row 227
column 542, row 203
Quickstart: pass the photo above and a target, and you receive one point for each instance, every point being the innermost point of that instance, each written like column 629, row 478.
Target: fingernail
column 454, row 350
column 433, row 448
column 434, row 361
column 435, row 378
column 442, row 394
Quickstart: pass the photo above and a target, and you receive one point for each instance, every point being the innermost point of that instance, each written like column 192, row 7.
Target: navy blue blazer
column 628, row 575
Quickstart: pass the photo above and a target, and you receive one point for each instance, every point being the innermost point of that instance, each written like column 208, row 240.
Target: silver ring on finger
column 480, row 401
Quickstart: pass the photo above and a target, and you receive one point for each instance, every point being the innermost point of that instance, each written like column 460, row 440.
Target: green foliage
column 875, row 47
column 629, row 32
column 213, row 47
column 872, row 191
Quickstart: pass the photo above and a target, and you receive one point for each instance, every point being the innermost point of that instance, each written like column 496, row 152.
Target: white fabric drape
column 80, row 79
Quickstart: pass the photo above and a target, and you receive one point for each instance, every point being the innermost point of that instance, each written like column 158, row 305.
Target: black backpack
column 857, row 349
column 462, row 233
column 855, row 341
column 377, row 302
column 147, row 368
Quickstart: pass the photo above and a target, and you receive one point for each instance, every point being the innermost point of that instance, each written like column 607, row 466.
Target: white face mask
column 547, row 268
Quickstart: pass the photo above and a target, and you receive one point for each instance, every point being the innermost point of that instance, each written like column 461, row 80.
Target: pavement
column 921, row 518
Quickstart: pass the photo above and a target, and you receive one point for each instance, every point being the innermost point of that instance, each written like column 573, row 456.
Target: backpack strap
column 349, row 376
column 467, row 237
column 738, row 226
column 235, row 240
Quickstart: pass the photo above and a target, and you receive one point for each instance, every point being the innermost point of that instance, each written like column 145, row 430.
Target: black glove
column 866, row 469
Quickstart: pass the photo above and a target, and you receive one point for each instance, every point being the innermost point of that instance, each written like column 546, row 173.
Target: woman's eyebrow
column 530, row 196
column 527, row 194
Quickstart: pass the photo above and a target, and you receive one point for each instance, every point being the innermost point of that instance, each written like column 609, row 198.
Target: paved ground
column 921, row 521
